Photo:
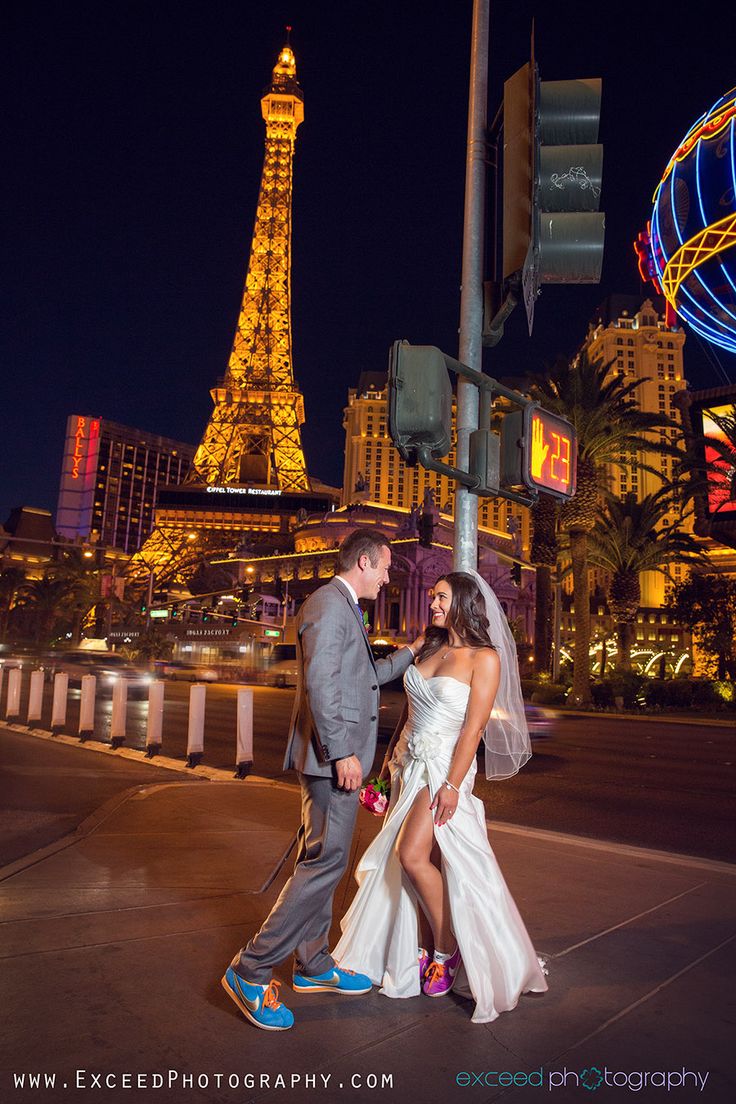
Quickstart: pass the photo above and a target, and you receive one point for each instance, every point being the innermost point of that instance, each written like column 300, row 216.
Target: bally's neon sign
column 79, row 436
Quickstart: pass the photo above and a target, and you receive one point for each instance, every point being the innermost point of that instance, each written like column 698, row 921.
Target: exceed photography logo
column 590, row 1079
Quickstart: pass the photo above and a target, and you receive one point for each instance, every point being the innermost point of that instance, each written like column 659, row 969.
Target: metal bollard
column 195, row 736
column 12, row 705
column 244, row 753
column 119, row 712
column 87, row 707
column 58, row 707
column 155, row 722
column 35, row 698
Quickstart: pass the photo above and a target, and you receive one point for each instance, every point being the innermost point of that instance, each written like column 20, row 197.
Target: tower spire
column 253, row 435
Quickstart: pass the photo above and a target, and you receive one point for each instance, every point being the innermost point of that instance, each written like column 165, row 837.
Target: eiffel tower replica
column 248, row 483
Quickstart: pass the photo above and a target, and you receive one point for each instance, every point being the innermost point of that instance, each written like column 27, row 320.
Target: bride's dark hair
column 467, row 616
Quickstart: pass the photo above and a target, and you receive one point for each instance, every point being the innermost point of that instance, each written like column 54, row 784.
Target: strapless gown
column 380, row 929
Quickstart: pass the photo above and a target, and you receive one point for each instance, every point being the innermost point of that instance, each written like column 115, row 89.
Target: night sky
column 133, row 150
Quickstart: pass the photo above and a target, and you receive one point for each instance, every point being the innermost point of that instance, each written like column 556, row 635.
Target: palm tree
column 631, row 537
column 609, row 423
column 46, row 599
column 78, row 569
column 11, row 580
column 544, row 553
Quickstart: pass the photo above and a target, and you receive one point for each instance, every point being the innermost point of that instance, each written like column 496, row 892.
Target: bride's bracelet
column 451, row 787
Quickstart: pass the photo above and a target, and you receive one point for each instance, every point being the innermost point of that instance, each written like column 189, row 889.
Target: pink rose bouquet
column 374, row 796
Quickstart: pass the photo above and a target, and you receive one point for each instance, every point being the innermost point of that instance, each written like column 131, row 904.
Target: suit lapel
column 356, row 614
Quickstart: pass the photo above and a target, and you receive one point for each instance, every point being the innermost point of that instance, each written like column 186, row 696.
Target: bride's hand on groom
column 349, row 773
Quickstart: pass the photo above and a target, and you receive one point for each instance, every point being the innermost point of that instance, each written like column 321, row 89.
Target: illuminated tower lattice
column 253, row 438
column 253, row 435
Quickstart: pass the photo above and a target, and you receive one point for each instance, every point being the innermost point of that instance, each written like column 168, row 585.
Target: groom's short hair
column 361, row 542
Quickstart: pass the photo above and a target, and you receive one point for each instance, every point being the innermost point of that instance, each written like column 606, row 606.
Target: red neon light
column 721, row 473
column 78, row 454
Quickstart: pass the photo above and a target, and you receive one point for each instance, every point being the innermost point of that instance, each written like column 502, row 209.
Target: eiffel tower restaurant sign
column 264, row 501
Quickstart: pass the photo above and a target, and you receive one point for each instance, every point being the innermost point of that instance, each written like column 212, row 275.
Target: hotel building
column 110, row 474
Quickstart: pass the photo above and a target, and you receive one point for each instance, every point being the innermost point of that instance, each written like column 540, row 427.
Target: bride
column 430, row 876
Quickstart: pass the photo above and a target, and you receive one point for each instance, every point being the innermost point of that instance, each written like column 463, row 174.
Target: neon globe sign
column 692, row 233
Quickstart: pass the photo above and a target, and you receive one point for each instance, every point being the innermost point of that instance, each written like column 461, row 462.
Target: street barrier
column 118, row 722
column 195, row 736
column 119, row 712
column 12, row 706
column 87, row 707
column 244, row 754
column 35, row 697
column 155, row 720
column 58, row 707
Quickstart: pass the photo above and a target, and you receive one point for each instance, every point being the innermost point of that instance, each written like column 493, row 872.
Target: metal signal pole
column 471, row 297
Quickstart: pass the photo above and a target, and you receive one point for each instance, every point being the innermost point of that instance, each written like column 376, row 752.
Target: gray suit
column 335, row 715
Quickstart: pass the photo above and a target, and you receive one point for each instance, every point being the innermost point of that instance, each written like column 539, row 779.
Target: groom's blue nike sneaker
column 258, row 1003
column 335, row 980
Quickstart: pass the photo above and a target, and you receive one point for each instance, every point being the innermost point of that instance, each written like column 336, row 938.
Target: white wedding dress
column 380, row 929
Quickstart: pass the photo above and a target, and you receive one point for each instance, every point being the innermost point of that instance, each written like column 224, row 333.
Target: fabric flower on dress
column 425, row 745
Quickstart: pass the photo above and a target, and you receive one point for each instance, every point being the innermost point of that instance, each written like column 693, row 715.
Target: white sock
column 442, row 958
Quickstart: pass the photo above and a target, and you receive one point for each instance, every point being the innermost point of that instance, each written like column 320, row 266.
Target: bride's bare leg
column 417, row 848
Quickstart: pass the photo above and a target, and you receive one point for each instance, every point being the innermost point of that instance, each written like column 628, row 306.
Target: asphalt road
column 649, row 783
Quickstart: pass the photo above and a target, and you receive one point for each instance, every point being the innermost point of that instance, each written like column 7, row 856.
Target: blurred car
column 540, row 721
column 180, row 671
column 106, row 667
column 282, row 670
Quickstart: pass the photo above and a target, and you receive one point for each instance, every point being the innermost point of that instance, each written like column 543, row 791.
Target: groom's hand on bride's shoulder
column 416, row 645
column 349, row 773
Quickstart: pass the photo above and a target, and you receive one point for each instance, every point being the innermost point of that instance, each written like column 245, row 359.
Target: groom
column 332, row 742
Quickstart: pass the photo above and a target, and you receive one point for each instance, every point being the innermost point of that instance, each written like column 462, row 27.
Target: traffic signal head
column 569, row 228
column 552, row 172
column 539, row 451
column 420, row 400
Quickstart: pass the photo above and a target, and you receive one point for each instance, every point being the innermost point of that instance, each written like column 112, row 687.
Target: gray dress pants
column 300, row 920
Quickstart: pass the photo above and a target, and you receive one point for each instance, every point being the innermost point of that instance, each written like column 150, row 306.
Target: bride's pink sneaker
column 423, row 958
column 440, row 976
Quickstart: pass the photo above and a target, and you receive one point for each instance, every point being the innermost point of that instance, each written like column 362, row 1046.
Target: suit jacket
column 336, row 707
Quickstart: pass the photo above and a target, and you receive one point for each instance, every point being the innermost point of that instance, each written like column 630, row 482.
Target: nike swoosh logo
column 252, row 1004
column 334, row 980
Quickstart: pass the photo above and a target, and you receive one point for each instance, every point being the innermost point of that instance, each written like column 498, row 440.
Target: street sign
column 271, row 632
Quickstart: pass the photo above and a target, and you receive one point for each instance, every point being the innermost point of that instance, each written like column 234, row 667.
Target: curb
column 626, row 850
column 202, row 772
column 91, row 823
column 215, row 774
column 646, row 717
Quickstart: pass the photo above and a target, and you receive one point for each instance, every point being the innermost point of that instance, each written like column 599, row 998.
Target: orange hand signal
column 539, row 448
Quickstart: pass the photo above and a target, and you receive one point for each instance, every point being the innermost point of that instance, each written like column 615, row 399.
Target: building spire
column 254, row 432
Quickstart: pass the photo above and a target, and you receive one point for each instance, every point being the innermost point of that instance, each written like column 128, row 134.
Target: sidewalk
column 114, row 941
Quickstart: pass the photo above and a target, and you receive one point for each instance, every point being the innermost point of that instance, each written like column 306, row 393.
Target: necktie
column 360, row 615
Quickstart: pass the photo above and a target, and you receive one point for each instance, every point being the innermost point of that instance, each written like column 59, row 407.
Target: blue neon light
column 706, row 299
